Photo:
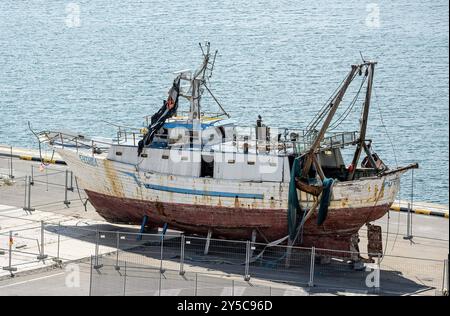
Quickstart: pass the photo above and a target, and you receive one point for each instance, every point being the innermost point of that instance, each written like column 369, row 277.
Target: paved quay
column 429, row 246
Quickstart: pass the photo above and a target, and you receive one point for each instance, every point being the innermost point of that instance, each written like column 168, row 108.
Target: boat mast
column 333, row 106
column 361, row 142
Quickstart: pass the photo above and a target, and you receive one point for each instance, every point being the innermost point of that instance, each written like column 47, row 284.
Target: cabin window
column 118, row 153
column 165, row 157
column 250, row 162
column 232, row 161
column 144, row 155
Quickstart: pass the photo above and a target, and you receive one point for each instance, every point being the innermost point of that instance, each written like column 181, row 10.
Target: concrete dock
column 424, row 249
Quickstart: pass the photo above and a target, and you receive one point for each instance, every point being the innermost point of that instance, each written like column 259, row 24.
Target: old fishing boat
column 203, row 174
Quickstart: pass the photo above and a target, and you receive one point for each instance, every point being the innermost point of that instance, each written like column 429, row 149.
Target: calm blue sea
column 73, row 64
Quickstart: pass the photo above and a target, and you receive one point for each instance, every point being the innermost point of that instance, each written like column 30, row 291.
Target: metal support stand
column 141, row 231
column 208, row 240
column 42, row 255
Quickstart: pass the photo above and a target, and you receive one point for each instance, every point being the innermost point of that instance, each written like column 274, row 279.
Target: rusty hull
column 238, row 223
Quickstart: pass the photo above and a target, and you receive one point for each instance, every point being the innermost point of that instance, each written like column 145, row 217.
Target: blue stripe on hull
column 196, row 192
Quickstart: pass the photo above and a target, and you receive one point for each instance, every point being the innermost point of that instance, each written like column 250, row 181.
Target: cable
column 349, row 108
column 385, row 129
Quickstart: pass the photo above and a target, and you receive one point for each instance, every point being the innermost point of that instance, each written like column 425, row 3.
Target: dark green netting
column 324, row 201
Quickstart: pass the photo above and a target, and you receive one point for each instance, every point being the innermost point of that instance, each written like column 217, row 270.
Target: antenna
column 362, row 57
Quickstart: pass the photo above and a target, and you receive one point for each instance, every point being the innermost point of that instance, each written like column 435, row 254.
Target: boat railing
column 281, row 142
column 290, row 140
column 79, row 143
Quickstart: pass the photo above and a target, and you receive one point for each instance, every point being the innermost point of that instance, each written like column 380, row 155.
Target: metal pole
column 232, row 287
column 182, row 272
column 32, row 175
column 90, row 279
column 311, row 268
column 117, row 249
column 42, row 255
column 59, row 239
column 71, row 182
column 160, row 281
column 9, row 267
column 445, row 281
column 66, row 183
column 57, row 260
column 29, row 194
column 125, row 279
column 162, row 252
column 28, row 203
column 247, row 262
column 11, row 173
column 196, row 284
column 408, row 224
column 97, row 245
column 25, row 199
column 412, row 197
column 377, row 288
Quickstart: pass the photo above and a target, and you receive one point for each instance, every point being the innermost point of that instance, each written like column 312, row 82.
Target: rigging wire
column 396, row 163
column 326, row 108
column 385, row 128
column 339, row 121
column 319, row 115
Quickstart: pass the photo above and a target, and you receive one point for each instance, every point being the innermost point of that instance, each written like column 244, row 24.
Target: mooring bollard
column 42, row 254
column 10, row 268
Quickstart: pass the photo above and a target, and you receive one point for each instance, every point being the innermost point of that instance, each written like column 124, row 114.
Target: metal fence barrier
column 129, row 263
column 6, row 163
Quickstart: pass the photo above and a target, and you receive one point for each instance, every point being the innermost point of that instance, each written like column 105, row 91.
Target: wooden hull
column 231, row 209
column 238, row 223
